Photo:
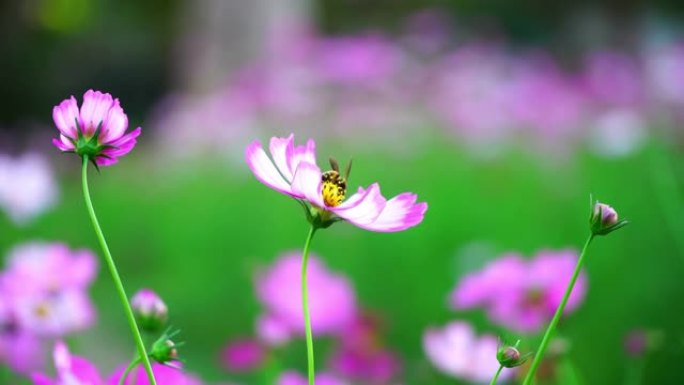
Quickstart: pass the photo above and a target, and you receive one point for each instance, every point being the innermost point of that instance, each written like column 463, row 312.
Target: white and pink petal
column 399, row 213
column 307, row 184
column 282, row 151
column 66, row 116
column 95, row 109
column 264, row 169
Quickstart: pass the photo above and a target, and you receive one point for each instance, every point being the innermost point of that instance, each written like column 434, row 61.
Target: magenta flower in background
column 521, row 294
column 46, row 286
column 19, row 350
column 614, row 78
column 458, row 352
column 243, row 355
column 70, row 370
column 332, row 301
column 293, row 171
column 294, row 378
column 97, row 130
column 27, row 187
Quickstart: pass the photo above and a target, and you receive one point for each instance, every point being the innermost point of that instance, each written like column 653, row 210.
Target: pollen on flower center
column 334, row 188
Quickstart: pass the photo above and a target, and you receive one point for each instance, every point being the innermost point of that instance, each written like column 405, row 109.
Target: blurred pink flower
column 243, row 355
column 100, row 119
column 74, row 370
column 45, row 287
column 361, row 355
column 272, row 331
column 357, row 60
column 149, row 309
column 27, row 187
column 458, row 352
column 20, row 350
column 293, row 171
column 521, row 294
column 614, row 78
column 294, row 378
column 332, row 302
column 70, row 370
column 665, row 73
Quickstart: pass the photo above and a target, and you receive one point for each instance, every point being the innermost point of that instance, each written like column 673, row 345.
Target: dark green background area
column 197, row 233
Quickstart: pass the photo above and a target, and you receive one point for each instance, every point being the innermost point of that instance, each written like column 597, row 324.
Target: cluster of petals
column 521, row 294
column 458, row 352
column 27, row 187
column 75, row 370
column 292, row 170
column 243, row 355
column 43, row 296
column 332, row 301
column 101, row 115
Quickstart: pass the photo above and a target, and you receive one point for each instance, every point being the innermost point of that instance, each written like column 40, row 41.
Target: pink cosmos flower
column 522, row 294
column 243, row 355
column 293, row 171
column 457, row 351
column 332, row 302
column 97, row 130
column 294, row 378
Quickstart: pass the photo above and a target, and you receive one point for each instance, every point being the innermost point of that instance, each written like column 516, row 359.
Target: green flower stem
column 115, row 276
column 305, row 305
column 496, row 376
column 130, row 367
column 556, row 317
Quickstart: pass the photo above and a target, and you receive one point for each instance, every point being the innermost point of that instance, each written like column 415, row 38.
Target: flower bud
column 164, row 350
column 149, row 309
column 604, row 219
column 509, row 356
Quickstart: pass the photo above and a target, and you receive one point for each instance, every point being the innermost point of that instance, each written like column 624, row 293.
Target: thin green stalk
column 556, row 317
column 305, row 305
column 115, row 276
column 130, row 367
column 496, row 376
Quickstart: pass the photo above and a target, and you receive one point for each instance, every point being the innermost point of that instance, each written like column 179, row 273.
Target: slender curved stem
column 130, row 367
column 556, row 317
column 305, row 305
column 496, row 376
column 115, row 276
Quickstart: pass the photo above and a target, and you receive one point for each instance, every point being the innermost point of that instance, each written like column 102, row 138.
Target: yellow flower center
column 334, row 188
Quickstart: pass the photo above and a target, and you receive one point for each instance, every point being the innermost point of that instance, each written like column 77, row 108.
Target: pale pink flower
column 522, row 294
column 272, row 331
column 27, row 187
column 458, row 352
column 97, row 129
column 332, row 302
column 293, row 171
column 46, row 288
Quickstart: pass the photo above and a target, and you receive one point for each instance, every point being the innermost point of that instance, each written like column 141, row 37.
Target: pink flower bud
column 609, row 216
column 150, row 311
